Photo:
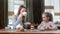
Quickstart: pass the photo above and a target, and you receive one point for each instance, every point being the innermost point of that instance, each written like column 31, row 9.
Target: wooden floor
column 3, row 31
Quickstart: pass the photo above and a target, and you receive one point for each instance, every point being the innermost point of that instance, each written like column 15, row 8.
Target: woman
column 17, row 19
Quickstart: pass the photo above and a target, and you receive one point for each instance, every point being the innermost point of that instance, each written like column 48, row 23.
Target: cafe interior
column 35, row 9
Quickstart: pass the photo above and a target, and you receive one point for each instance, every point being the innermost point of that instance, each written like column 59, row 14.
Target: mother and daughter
column 20, row 18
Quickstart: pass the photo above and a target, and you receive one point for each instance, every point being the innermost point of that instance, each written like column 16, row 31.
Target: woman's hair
column 22, row 6
column 49, row 15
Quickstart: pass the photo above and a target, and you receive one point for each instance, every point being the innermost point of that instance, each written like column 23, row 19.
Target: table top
column 29, row 31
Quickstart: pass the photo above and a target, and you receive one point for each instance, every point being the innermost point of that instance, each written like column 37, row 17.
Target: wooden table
column 3, row 31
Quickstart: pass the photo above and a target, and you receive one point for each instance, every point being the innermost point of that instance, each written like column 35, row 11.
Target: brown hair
column 49, row 15
column 22, row 6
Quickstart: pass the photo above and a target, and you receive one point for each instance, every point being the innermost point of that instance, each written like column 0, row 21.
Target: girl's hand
column 39, row 26
column 52, row 27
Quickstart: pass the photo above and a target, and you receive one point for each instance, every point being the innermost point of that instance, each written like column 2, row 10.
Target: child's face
column 45, row 18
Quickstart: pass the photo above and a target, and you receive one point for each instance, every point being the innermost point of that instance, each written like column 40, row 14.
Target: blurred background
column 35, row 8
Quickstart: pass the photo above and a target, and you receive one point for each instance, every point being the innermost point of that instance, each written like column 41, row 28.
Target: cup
column 32, row 27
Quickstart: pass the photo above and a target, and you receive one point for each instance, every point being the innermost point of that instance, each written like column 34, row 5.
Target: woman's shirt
column 16, row 22
column 47, row 25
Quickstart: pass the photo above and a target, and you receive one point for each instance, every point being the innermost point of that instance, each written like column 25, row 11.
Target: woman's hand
column 20, row 15
column 20, row 28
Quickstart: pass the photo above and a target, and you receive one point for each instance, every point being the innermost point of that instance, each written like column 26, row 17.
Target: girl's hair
column 49, row 15
column 22, row 6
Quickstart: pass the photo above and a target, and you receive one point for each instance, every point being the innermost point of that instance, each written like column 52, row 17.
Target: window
column 13, row 5
column 55, row 10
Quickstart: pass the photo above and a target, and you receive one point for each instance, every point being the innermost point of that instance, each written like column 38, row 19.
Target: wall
column 1, row 14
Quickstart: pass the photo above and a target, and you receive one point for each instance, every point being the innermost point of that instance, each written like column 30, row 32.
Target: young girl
column 47, row 22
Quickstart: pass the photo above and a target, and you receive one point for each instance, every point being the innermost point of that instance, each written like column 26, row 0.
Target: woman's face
column 23, row 9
